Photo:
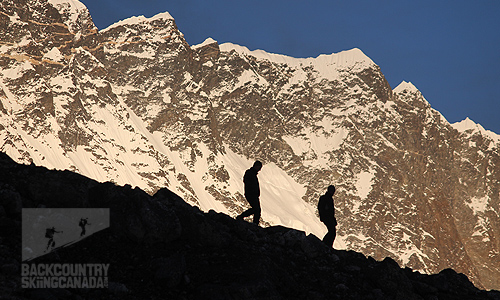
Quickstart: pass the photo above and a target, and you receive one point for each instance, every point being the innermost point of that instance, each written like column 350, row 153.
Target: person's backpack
column 48, row 233
column 82, row 222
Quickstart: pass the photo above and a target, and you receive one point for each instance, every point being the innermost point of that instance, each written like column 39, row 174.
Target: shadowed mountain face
column 135, row 104
column 161, row 247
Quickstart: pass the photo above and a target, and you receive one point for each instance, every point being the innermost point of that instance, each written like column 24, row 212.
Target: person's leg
column 331, row 234
column 246, row 213
column 327, row 239
column 254, row 209
column 256, row 216
column 334, row 233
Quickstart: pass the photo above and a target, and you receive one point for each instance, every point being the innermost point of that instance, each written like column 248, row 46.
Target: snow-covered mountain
column 135, row 104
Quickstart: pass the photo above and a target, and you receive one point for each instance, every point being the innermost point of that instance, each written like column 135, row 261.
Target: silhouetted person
column 252, row 193
column 326, row 211
column 82, row 224
column 49, row 233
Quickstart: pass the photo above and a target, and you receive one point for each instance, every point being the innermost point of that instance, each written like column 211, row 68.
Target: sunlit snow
column 469, row 125
column 328, row 66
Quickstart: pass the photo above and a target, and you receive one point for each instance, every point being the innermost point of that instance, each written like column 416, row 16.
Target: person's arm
column 321, row 208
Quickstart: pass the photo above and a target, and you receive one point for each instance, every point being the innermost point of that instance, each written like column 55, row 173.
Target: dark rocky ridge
column 160, row 247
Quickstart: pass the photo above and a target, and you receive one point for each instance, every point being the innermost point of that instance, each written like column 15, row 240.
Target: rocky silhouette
column 161, row 247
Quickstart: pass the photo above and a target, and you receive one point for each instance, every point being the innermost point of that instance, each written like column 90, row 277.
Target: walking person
column 83, row 222
column 49, row 233
column 326, row 211
column 252, row 193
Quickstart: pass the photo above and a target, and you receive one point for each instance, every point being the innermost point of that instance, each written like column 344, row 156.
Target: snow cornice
column 140, row 19
column 343, row 58
column 206, row 42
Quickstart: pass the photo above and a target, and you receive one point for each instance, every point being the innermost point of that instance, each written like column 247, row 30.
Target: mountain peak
column 74, row 4
column 278, row 58
column 327, row 65
column 405, row 86
column 347, row 57
column 206, row 42
column 140, row 19
column 161, row 16
column 74, row 14
column 466, row 124
column 469, row 125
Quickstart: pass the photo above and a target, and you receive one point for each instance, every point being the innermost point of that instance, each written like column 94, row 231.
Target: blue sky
column 450, row 50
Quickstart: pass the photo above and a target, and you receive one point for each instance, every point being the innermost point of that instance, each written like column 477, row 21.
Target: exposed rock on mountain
column 135, row 104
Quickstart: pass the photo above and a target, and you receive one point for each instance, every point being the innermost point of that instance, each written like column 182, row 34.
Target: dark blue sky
column 450, row 50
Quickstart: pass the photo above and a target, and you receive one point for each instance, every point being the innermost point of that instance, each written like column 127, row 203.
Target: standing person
column 252, row 193
column 326, row 211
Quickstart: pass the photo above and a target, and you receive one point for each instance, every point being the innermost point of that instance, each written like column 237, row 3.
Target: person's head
column 257, row 165
column 331, row 190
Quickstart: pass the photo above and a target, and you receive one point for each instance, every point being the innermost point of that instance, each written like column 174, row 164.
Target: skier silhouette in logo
column 252, row 193
column 326, row 211
column 83, row 222
column 49, row 233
